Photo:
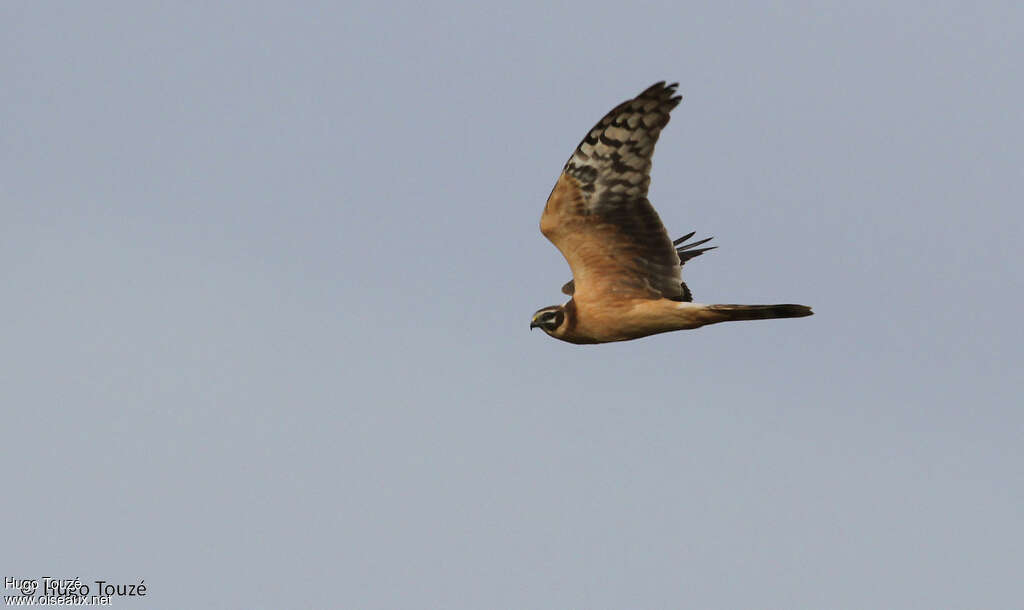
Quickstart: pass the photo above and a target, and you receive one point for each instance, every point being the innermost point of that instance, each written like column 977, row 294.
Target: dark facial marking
column 553, row 319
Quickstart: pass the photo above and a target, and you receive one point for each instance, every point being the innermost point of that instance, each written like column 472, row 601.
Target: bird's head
column 548, row 318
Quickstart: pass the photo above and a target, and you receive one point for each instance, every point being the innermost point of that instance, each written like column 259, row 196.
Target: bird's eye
column 551, row 319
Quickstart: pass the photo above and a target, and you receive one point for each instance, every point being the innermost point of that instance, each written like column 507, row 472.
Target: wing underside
column 598, row 214
column 683, row 250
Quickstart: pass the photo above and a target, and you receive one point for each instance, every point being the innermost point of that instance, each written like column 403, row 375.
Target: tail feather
column 731, row 313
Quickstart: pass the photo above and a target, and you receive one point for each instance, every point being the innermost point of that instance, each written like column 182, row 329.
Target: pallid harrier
column 626, row 273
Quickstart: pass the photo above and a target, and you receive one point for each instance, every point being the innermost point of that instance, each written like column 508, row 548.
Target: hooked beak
column 533, row 324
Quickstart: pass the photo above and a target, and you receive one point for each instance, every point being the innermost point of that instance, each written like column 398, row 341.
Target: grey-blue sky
column 269, row 271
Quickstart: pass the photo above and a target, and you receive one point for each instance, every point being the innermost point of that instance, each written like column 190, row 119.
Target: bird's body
column 624, row 320
column 626, row 271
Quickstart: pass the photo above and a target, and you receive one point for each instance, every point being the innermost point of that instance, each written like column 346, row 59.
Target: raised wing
column 598, row 214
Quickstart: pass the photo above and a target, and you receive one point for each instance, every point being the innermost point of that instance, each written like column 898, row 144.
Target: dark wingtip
column 673, row 87
column 699, row 242
column 684, row 238
column 660, row 89
column 688, row 251
column 685, row 255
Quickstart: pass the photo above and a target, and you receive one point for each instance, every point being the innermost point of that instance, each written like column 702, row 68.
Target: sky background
column 268, row 271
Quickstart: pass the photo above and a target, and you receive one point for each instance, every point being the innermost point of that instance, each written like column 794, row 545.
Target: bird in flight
column 626, row 272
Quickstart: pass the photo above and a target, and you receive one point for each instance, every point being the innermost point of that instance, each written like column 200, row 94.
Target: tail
column 733, row 313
